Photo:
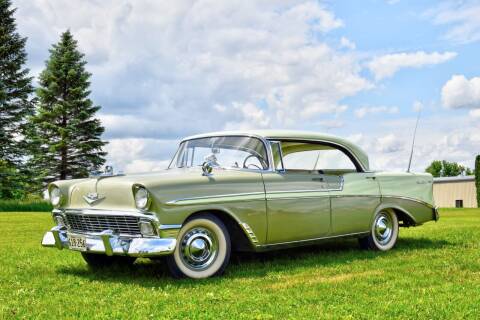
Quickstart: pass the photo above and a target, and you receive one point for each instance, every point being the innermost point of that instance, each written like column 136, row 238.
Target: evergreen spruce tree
column 66, row 133
column 15, row 104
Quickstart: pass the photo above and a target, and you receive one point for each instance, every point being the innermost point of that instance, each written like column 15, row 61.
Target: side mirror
column 207, row 168
column 108, row 170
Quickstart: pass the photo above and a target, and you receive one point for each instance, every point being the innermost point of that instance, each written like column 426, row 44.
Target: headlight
column 142, row 198
column 55, row 196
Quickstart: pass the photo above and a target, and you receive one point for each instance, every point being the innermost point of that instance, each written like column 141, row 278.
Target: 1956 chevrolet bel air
column 255, row 190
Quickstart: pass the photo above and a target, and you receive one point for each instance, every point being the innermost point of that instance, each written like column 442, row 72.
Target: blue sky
column 359, row 69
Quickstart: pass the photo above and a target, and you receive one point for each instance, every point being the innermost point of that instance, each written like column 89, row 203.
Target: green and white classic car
column 241, row 191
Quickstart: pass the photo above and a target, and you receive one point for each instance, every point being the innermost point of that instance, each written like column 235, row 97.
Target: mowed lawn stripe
column 434, row 273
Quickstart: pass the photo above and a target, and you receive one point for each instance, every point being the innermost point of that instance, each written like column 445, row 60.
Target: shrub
column 25, row 205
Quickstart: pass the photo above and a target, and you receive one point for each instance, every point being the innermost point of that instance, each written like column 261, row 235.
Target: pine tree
column 66, row 133
column 15, row 104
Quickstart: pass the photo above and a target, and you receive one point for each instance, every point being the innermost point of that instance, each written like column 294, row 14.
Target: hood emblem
column 92, row 197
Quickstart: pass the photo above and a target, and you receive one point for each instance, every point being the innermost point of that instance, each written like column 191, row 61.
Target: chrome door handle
column 317, row 179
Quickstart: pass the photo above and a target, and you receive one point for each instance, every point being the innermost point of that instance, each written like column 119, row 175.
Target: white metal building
column 455, row 192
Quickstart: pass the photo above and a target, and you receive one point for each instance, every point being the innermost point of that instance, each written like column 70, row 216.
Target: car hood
column 116, row 192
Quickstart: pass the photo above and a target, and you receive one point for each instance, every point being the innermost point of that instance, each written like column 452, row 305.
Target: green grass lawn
column 434, row 273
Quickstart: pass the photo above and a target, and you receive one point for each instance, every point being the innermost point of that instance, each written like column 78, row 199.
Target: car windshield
column 224, row 152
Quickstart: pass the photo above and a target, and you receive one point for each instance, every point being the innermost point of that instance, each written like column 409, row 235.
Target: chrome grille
column 98, row 223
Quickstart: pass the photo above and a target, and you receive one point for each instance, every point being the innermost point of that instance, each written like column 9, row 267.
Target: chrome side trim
column 249, row 232
column 306, row 241
column 410, row 199
column 179, row 201
column 170, row 226
column 356, row 196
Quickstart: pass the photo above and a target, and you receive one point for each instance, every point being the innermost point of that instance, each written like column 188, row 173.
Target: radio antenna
column 413, row 140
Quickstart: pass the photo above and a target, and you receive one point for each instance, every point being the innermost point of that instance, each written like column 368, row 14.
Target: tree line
column 445, row 168
column 50, row 131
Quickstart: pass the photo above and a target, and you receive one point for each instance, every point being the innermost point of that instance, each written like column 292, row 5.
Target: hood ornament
column 92, row 197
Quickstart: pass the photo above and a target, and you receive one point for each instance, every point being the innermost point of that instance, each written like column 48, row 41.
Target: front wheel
column 383, row 232
column 203, row 248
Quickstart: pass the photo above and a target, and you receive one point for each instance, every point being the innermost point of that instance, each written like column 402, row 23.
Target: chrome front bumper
column 436, row 215
column 108, row 243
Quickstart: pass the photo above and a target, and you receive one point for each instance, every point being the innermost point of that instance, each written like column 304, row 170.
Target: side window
column 334, row 159
column 301, row 160
column 277, row 155
column 315, row 157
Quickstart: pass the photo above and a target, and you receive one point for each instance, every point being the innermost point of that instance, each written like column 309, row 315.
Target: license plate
column 77, row 242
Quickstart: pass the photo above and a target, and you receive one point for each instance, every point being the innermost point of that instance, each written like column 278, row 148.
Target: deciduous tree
column 447, row 169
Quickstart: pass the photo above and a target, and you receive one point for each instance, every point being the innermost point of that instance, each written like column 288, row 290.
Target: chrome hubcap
column 383, row 228
column 199, row 248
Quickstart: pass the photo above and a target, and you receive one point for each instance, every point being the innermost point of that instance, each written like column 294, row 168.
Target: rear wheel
column 383, row 232
column 203, row 249
column 98, row 261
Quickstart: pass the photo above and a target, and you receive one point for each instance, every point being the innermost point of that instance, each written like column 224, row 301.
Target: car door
column 355, row 200
column 354, row 204
column 298, row 203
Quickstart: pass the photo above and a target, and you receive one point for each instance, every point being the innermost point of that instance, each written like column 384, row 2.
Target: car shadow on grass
column 146, row 272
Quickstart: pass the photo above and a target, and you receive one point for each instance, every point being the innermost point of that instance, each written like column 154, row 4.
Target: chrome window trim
column 267, row 145
column 279, row 143
column 265, row 142
column 352, row 154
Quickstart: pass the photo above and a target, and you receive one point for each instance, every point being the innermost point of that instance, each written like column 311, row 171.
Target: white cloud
column 462, row 19
column 389, row 143
column 161, row 69
column 387, row 65
column 459, row 92
column 417, row 106
column 131, row 126
column 475, row 113
column 331, row 124
column 347, row 43
column 363, row 111
column 140, row 155
column 183, row 58
column 246, row 116
column 139, row 165
column 454, row 138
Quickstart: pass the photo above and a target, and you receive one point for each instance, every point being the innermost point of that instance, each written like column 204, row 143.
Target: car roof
column 356, row 151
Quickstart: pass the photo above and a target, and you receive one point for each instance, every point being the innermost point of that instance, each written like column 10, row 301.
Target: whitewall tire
column 383, row 232
column 203, row 248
